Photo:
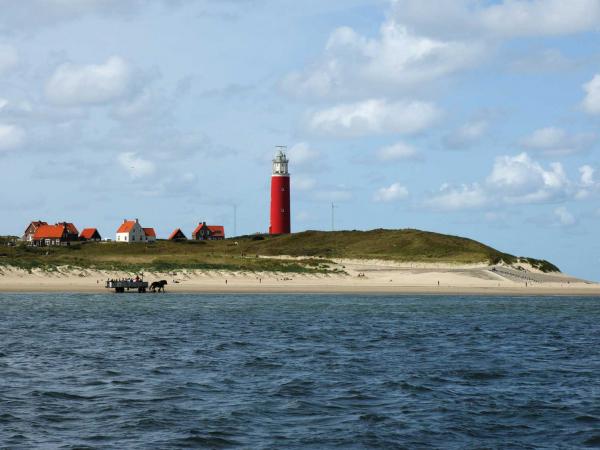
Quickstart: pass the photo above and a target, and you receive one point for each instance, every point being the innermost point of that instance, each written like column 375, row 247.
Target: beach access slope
column 352, row 276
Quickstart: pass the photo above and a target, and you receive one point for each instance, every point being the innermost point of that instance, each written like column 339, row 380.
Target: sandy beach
column 359, row 276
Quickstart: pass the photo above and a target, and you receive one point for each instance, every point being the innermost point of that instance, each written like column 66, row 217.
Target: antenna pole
column 332, row 217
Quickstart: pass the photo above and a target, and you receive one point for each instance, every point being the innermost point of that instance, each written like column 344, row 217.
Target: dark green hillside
column 241, row 253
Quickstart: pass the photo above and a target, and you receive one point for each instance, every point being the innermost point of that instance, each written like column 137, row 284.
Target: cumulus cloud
column 303, row 156
column 8, row 58
column 587, row 175
column 516, row 180
column 391, row 193
column 353, row 64
column 397, row 152
column 523, row 180
column 454, row 198
column 552, row 141
column 504, row 19
column 591, row 102
column 93, row 84
column 11, row 137
column 564, row 216
column 376, row 116
column 136, row 165
column 467, row 135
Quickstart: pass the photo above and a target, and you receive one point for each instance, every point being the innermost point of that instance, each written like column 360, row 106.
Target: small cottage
column 177, row 235
column 131, row 231
column 90, row 235
column 205, row 232
column 150, row 234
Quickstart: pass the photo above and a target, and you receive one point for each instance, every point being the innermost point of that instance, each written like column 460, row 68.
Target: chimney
column 124, row 220
column 137, row 221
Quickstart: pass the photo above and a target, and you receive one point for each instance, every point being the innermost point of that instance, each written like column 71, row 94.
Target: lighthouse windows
column 282, row 210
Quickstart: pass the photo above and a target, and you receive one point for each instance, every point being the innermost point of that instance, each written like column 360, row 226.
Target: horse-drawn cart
column 121, row 285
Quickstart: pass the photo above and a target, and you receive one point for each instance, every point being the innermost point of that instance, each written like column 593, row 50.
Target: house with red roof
column 62, row 233
column 205, row 232
column 131, row 231
column 150, row 234
column 31, row 229
column 90, row 235
column 177, row 235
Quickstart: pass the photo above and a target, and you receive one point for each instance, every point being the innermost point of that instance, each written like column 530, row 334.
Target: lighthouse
column 280, row 194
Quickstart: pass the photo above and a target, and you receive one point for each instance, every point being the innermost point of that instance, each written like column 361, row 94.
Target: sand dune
column 361, row 276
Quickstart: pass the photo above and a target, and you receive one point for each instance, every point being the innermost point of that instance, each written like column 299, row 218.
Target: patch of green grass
column 314, row 250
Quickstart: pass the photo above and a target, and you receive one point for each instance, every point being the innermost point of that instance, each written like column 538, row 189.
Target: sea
column 168, row 371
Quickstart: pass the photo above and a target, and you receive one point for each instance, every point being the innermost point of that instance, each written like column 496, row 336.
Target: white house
column 132, row 231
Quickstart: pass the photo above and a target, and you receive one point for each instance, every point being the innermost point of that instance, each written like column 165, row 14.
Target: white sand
column 361, row 276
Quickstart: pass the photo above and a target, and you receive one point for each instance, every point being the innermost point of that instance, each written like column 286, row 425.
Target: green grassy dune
column 241, row 253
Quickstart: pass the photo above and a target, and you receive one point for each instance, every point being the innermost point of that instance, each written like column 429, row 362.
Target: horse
column 160, row 285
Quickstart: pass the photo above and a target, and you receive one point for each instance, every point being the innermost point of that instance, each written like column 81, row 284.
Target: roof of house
column 49, row 232
column 71, row 229
column 88, row 233
column 35, row 224
column 176, row 233
column 38, row 223
column 216, row 230
column 126, row 226
column 198, row 228
column 149, row 232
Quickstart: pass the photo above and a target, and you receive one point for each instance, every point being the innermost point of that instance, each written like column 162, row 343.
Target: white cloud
column 397, row 152
column 516, row 180
column 92, row 84
column 454, row 198
column 587, row 183
column 135, row 165
column 591, row 102
column 302, row 155
column 504, row 19
column 391, row 193
column 466, row 135
column 541, row 17
column 564, row 217
column 398, row 59
column 8, row 58
column 587, row 175
column 556, row 141
column 11, row 137
column 374, row 117
column 519, row 179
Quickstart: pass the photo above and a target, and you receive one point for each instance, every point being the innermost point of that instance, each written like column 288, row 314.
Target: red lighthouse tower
column 280, row 194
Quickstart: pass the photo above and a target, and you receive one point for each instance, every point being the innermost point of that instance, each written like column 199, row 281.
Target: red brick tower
column 280, row 194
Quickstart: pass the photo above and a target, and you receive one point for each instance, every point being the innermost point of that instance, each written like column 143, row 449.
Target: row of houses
column 40, row 233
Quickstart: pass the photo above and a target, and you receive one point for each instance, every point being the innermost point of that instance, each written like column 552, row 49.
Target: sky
column 468, row 117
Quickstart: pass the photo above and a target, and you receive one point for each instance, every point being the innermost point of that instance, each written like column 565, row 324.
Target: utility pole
column 332, row 216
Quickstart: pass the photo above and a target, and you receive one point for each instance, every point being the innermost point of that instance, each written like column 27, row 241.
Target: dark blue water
column 304, row 371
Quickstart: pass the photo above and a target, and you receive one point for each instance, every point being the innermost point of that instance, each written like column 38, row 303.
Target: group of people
column 125, row 280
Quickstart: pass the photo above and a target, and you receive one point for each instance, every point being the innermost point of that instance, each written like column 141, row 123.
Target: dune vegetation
column 313, row 251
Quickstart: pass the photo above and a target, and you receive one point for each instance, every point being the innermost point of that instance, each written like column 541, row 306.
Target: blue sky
column 470, row 117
